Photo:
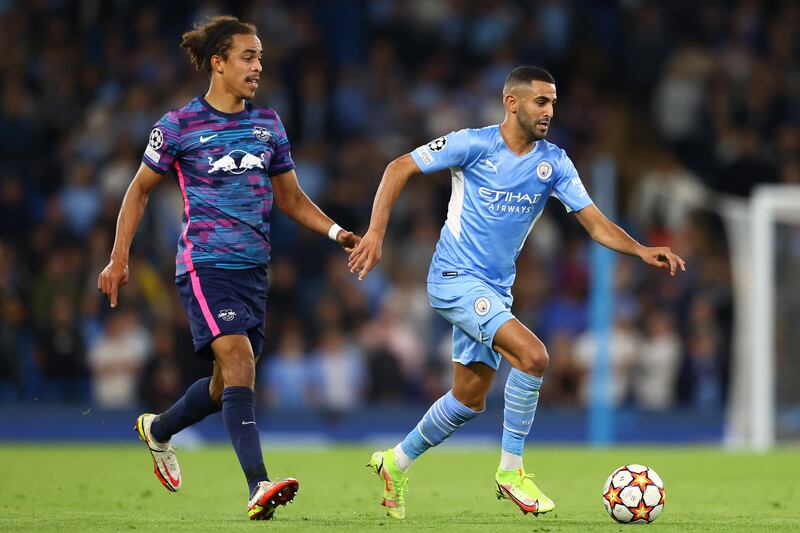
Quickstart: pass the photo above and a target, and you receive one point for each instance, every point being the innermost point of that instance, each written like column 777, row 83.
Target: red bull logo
column 235, row 162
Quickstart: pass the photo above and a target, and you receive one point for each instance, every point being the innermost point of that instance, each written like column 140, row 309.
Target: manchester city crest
column 544, row 170
column 482, row 306
column 261, row 133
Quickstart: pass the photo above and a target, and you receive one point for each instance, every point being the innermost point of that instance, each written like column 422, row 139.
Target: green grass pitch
column 111, row 487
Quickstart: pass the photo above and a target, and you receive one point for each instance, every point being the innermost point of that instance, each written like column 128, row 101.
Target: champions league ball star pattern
column 223, row 163
column 634, row 493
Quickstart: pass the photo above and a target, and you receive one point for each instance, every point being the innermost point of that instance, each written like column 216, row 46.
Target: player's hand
column 662, row 257
column 347, row 240
column 366, row 255
column 113, row 276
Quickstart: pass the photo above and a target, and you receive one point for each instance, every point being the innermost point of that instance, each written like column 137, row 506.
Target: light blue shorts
column 476, row 311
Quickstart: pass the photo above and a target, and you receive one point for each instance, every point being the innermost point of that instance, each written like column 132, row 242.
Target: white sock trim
column 401, row 459
column 510, row 461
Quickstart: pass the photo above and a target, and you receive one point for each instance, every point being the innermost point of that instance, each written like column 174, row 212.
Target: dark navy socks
column 192, row 407
column 238, row 414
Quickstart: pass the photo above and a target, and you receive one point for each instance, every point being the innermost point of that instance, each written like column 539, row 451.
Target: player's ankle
column 401, row 460
column 510, row 462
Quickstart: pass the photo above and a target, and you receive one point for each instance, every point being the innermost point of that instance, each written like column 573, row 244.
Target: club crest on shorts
column 482, row 305
column 226, row 314
column 544, row 170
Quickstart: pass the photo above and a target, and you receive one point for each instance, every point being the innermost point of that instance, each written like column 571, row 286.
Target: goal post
column 766, row 269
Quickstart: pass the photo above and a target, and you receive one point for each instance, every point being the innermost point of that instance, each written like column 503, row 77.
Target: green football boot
column 517, row 486
column 395, row 483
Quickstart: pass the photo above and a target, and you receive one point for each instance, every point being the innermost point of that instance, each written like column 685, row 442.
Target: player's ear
column 216, row 63
column 510, row 102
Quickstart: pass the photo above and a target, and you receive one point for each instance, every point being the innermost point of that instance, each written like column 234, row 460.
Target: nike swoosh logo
column 172, row 480
column 206, row 139
column 530, row 508
column 245, row 423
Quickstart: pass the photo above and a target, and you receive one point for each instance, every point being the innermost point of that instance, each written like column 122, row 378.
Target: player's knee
column 534, row 359
column 239, row 371
column 474, row 402
column 469, row 395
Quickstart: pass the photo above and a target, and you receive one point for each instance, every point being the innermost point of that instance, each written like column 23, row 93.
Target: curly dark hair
column 213, row 38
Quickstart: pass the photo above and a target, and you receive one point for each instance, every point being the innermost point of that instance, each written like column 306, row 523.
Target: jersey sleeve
column 164, row 144
column 282, row 158
column 569, row 187
column 449, row 151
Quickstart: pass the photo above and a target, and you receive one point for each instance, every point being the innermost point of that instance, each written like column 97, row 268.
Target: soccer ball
column 634, row 493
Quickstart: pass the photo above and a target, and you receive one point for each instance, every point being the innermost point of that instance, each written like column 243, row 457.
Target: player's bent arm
column 611, row 236
column 605, row 232
column 293, row 201
column 132, row 209
column 392, row 183
column 368, row 253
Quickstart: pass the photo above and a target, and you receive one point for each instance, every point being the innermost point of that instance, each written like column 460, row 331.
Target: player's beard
column 531, row 127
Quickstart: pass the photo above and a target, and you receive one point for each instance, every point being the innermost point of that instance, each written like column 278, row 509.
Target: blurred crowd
column 684, row 109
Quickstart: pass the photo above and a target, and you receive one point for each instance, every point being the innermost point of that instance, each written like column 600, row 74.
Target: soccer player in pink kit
column 229, row 157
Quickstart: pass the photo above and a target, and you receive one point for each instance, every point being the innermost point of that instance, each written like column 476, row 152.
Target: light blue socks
column 521, row 397
column 442, row 420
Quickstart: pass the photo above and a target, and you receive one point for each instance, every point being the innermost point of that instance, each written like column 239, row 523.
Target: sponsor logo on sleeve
column 437, row 144
column 576, row 181
column 544, row 170
column 152, row 154
column 425, row 155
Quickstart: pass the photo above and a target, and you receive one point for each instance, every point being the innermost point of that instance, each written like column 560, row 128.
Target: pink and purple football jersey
column 223, row 162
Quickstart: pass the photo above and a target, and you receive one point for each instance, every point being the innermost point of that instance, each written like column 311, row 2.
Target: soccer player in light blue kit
column 502, row 176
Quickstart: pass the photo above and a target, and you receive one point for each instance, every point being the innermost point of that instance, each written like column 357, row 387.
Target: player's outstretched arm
column 115, row 274
column 612, row 236
column 293, row 201
column 368, row 253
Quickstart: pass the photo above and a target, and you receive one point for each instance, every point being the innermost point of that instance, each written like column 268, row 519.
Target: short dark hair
column 527, row 74
column 213, row 38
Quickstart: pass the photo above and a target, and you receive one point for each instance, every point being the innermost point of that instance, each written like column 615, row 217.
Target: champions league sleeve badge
column 544, row 170
column 156, row 139
column 437, row 144
column 155, row 142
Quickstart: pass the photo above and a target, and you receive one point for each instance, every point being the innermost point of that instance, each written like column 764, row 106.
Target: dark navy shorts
column 224, row 302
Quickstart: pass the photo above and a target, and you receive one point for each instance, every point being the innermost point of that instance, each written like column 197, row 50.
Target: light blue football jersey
column 496, row 199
